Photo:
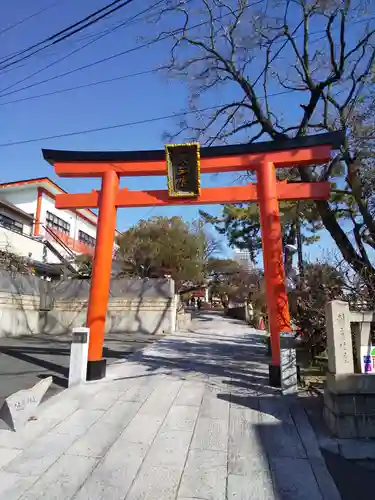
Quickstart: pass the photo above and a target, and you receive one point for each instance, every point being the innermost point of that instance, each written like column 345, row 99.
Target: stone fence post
column 361, row 325
column 340, row 323
column 349, row 398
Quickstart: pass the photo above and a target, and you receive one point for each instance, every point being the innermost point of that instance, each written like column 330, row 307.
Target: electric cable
column 64, row 34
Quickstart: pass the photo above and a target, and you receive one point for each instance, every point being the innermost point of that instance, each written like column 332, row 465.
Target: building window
column 57, row 224
column 86, row 239
column 11, row 224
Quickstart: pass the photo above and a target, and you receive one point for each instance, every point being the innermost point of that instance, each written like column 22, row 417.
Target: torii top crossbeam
column 239, row 157
column 263, row 157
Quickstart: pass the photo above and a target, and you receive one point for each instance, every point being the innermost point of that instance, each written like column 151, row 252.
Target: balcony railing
column 74, row 245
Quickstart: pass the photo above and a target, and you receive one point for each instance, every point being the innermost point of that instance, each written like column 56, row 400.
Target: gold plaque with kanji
column 183, row 167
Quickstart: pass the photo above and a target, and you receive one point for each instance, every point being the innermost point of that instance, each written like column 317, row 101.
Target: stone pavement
column 189, row 418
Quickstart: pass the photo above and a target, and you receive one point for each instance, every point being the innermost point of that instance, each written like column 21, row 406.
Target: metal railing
column 70, row 245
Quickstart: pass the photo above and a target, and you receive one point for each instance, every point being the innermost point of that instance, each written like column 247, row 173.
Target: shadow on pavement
column 241, row 362
column 27, row 359
column 353, row 481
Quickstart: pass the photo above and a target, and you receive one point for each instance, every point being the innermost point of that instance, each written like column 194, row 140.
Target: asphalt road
column 24, row 361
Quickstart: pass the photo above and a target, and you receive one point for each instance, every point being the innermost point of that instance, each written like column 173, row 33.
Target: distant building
column 242, row 256
column 32, row 227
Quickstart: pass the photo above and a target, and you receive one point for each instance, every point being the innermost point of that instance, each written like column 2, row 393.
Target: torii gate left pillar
column 267, row 192
column 101, row 274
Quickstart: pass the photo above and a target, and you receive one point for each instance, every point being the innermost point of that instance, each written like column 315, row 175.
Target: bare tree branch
column 245, row 49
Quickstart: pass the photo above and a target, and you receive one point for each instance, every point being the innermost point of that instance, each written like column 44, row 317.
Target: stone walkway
column 189, row 418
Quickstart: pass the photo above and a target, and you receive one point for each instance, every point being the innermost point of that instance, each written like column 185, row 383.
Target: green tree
column 14, row 263
column 290, row 68
column 84, row 264
column 220, row 274
column 164, row 246
column 229, row 280
column 241, row 224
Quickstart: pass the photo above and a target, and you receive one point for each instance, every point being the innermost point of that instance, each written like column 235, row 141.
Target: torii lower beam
column 233, row 194
column 262, row 157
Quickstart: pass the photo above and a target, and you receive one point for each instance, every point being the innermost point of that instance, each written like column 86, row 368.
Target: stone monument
column 339, row 338
column 19, row 407
column 349, row 397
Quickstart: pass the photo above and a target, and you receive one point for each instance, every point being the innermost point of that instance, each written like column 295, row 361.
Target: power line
column 31, row 16
column 109, row 127
column 114, row 56
column 108, row 30
column 145, row 18
column 108, row 58
column 133, row 49
column 127, row 124
column 59, row 33
column 111, row 80
column 98, row 37
column 66, row 32
column 85, row 85
column 49, row 65
column 104, row 59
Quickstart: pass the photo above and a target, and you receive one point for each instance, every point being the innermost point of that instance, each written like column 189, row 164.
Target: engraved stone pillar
column 339, row 339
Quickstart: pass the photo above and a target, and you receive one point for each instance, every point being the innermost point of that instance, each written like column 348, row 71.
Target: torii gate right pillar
column 277, row 299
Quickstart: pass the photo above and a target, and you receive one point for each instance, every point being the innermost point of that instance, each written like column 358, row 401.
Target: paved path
column 189, row 418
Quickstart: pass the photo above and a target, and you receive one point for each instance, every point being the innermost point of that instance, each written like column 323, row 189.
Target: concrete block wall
column 134, row 306
column 19, row 314
column 149, row 316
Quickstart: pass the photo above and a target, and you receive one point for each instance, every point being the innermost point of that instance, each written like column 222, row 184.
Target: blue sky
column 119, row 102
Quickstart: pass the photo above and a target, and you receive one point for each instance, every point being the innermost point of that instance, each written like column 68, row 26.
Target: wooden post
column 277, row 299
column 101, row 274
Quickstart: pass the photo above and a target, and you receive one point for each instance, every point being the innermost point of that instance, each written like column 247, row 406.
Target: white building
column 242, row 256
column 31, row 226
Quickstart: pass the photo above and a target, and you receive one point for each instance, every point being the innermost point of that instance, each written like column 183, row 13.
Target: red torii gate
column 262, row 157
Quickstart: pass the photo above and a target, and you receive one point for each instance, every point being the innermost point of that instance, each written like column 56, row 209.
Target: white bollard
column 78, row 356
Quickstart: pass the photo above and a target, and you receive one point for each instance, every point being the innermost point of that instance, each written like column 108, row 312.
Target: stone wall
column 237, row 312
column 143, row 315
column 19, row 314
column 31, row 306
column 349, row 405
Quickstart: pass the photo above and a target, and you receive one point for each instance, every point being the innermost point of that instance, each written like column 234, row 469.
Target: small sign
column 368, row 359
column 183, row 167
